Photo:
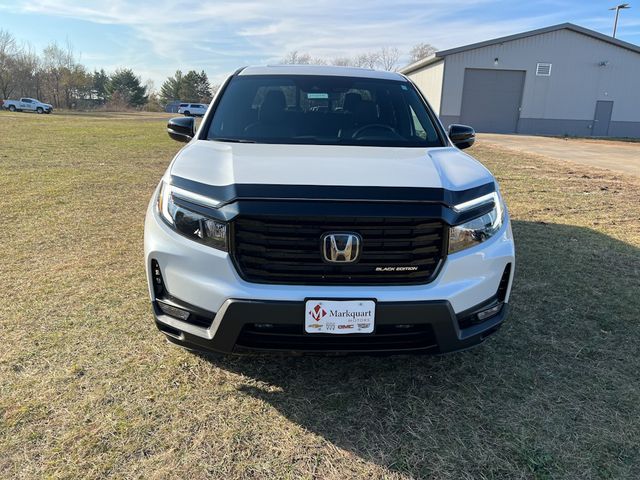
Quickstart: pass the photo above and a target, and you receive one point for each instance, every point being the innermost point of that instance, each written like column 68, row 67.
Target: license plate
column 339, row 316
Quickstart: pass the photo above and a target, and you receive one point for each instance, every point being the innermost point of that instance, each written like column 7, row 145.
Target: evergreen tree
column 189, row 90
column 127, row 85
column 171, row 89
column 203, row 88
column 100, row 81
column 190, row 87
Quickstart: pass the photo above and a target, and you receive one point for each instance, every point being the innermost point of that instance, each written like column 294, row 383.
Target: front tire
column 39, row 110
column 12, row 108
column 187, row 114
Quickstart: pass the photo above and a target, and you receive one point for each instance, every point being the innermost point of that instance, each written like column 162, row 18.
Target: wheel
column 39, row 110
column 12, row 108
column 187, row 113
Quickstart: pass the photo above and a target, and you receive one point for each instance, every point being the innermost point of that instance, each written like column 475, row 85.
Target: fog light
column 156, row 275
column 173, row 311
column 489, row 312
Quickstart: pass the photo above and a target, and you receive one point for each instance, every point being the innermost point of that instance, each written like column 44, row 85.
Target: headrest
column 273, row 104
column 351, row 101
column 366, row 113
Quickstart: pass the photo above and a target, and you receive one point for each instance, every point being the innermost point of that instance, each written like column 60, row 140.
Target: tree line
column 386, row 58
column 56, row 76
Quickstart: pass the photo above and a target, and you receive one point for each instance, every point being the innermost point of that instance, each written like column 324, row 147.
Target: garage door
column 491, row 99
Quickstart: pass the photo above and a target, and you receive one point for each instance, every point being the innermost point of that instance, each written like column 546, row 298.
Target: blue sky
column 157, row 37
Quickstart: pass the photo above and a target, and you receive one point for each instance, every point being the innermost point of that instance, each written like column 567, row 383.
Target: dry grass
column 89, row 389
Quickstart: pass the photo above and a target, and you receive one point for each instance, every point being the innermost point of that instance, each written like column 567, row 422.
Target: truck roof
column 321, row 70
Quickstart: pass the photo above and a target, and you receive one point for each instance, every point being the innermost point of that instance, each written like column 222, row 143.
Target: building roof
column 433, row 58
column 321, row 70
column 562, row 26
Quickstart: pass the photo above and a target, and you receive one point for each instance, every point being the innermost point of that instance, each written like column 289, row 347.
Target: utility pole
column 617, row 8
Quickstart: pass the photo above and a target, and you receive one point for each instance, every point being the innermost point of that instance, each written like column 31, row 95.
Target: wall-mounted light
column 495, row 61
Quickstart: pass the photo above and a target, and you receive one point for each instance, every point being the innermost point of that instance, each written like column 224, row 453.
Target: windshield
column 322, row 110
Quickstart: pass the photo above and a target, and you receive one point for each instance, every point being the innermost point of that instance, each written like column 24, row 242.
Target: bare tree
column 296, row 58
column 65, row 81
column 342, row 62
column 367, row 60
column 420, row 51
column 389, row 57
column 54, row 61
column 150, row 86
column 8, row 53
column 26, row 72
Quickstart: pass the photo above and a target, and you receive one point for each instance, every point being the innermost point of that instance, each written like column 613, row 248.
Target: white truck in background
column 193, row 109
column 27, row 105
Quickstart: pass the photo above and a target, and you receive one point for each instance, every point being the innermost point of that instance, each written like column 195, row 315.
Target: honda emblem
column 341, row 247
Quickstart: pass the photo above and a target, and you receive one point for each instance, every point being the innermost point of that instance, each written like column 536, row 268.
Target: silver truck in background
column 27, row 105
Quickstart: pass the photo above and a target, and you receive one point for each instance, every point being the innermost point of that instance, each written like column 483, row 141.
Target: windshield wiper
column 233, row 140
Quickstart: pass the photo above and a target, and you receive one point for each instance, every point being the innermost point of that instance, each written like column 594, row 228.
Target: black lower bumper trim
column 390, row 338
column 401, row 327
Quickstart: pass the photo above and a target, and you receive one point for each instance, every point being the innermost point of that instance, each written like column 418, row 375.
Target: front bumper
column 414, row 327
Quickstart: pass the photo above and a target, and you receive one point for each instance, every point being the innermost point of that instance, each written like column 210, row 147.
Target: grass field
column 89, row 388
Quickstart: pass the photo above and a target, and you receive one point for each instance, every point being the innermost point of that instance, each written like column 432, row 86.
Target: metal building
column 172, row 107
column 559, row 80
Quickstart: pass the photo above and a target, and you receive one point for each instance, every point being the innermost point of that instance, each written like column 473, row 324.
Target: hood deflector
column 227, row 194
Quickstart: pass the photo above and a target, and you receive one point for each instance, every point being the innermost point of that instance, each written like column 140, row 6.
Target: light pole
column 617, row 8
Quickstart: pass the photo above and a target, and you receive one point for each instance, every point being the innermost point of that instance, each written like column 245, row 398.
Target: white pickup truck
column 326, row 209
column 27, row 105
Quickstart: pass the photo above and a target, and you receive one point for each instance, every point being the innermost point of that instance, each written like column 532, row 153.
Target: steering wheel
column 359, row 131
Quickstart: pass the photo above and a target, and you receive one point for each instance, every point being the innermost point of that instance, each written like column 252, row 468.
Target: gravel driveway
column 614, row 155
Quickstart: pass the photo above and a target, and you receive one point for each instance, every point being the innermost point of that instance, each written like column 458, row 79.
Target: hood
column 221, row 164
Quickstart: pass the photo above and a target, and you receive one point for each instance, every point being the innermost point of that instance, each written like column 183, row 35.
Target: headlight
column 178, row 207
column 479, row 229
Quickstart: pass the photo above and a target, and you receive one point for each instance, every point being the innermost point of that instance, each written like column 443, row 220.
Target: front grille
column 387, row 338
column 288, row 250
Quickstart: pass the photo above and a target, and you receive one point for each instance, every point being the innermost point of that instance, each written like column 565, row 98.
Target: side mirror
column 462, row 136
column 182, row 129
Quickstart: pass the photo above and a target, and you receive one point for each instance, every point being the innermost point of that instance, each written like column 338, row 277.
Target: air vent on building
column 543, row 70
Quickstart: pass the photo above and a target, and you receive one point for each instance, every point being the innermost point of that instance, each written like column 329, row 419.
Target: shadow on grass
column 555, row 382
